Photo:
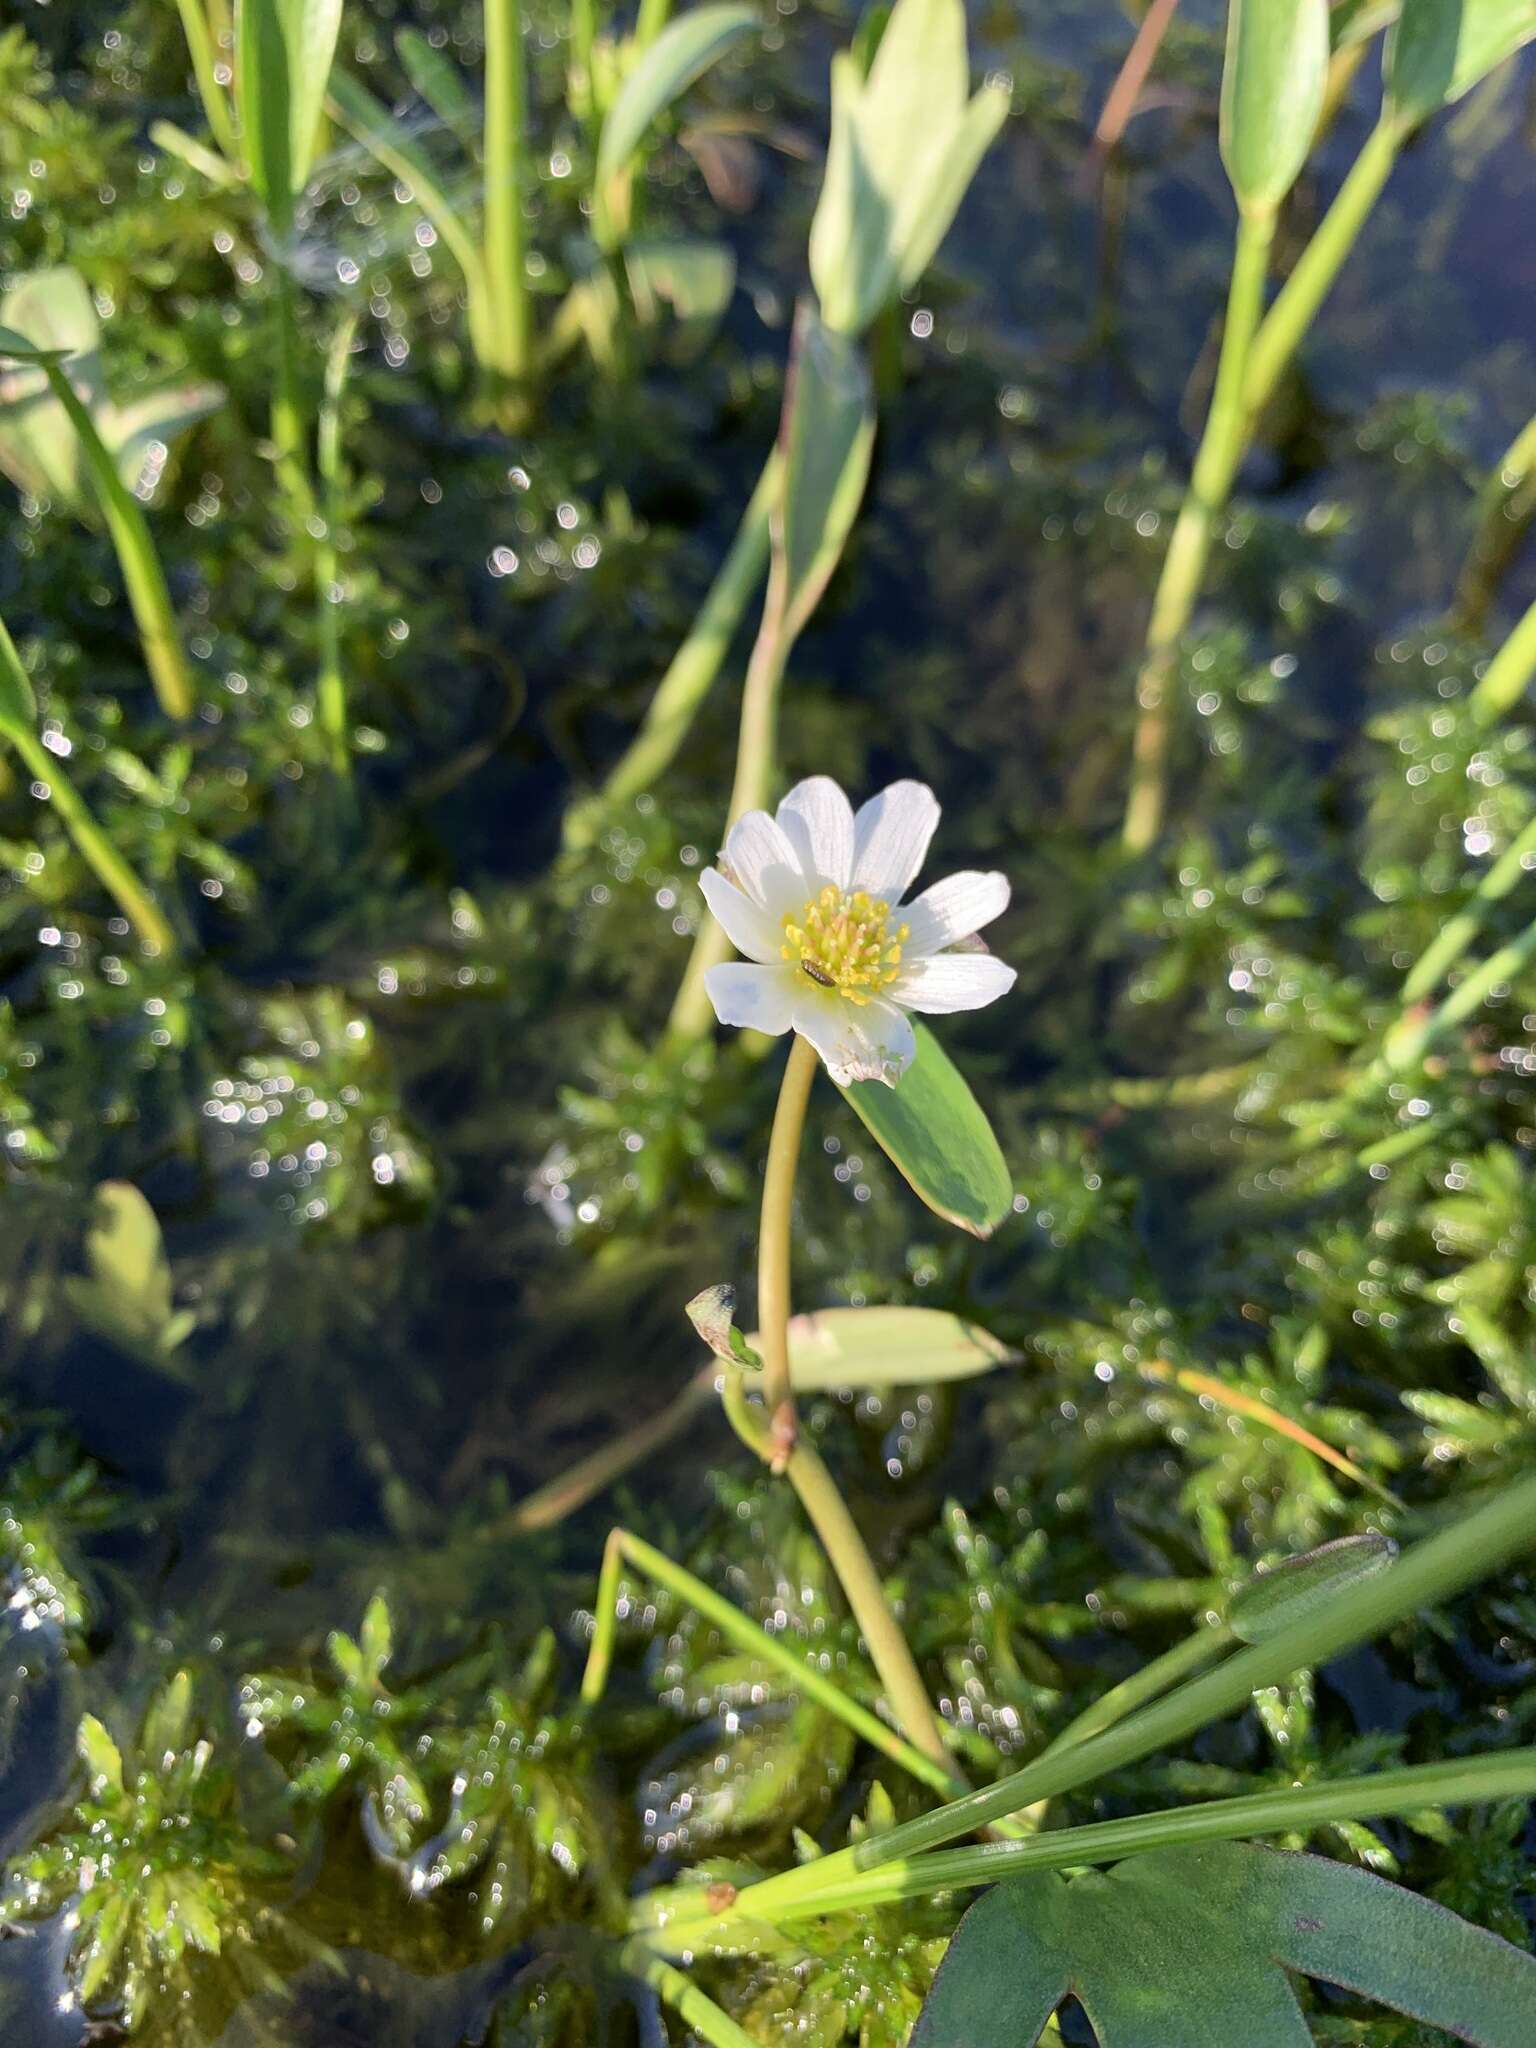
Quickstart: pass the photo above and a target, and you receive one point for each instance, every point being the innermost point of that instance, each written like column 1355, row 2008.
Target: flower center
column 846, row 943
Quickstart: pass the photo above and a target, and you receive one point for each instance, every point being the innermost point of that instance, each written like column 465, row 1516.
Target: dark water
column 473, row 1279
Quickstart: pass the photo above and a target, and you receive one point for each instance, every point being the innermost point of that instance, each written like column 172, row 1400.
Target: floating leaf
column 1271, row 1600
column 937, row 1136
column 126, row 1295
column 888, row 1347
column 684, row 50
column 1440, row 49
column 1271, row 94
column 1191, row 1946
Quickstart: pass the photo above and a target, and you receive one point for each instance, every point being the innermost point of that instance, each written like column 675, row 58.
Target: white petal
column 756, row 998
column 952, row 909
column 871, row 1041
column 952, row 981
column 763, row 865
column 890, row 839
column 746, row 924
column 817, row 820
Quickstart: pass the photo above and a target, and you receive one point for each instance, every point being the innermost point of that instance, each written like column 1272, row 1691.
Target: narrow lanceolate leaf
column 284, row 50
column 1440, row 49
column 888, row 1347
column 827, row 437
column 1271, row 95
column 437, row 79
column 1193, row 1945
column 683, row 51
column 18, row 706
column 1289, row 1592
column 371, row 123
column 936, row 1134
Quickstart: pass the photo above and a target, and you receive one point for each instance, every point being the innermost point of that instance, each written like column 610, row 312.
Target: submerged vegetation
column 483, row 481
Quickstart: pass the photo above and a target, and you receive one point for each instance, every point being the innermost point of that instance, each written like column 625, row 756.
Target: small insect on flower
column 813, row 897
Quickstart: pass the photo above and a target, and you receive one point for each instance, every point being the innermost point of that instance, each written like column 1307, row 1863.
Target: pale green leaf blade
column 376, row 1639
column 1440, row 49
column 369, row 122
column 1272, row 90
column 851, row 264
column 126, row 1297
column 47, row 313
column 938, row 1138
column 684, row 50
column 140, row 432
column 1003, row 1975
column 1273, row 1599
column 18, row 706
column 977, row 130
column 887, row 1347
column 828, row 436
column 166, row 1723
column 284, row 51
column 694, row 277
column 436, row 78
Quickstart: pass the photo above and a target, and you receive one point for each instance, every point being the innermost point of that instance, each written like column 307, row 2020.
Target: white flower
column 813, row 897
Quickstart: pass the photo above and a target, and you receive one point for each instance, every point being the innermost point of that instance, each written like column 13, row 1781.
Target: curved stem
column 1178, row 587
column 1506, row 506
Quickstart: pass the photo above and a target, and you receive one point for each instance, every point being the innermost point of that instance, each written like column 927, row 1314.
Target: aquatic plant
column 154, row 1869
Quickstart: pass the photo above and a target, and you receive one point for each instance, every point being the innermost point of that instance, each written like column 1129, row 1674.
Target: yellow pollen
column 846, row 943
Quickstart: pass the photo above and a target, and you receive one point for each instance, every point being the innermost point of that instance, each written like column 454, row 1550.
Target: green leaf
column 936, row 1135
column 695, row 278
column 684, row 50
column 101, row 1756
column 1440, row 49
column 888, row 1347
column 165, row 1725
column 712, row 1313
column 828, row 437
column 125, row 1296
column 48, row 314
column 137, row 432
column 905, row 143
column 369, row 122
column 1288, row 1592
column 283, row 55
column 376, row 1639
column 1191, row 1946
column 438, row 82
column 1271, row 94
column 18, row 706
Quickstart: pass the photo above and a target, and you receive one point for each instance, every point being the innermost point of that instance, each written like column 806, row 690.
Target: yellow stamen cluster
column 846, row 943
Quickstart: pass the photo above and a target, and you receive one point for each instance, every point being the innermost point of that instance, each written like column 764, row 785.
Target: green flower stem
column 1457, row 933
column 290, row 439
column 1428, row 1573
column 756, row 748
column 1178, row 588
column 506, row 131
column 684, row 1996
column 1410, row 1039
column 1300, row 298
column 1507, row 676
column 691, row 673
column 200, row 48
column 331, row 687
column 93, row 845
column 774, row 1235
column 739, row 1629
column 1297, row 1809
column 1506, row 506
column 1172, row 1668
column 143, row 577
